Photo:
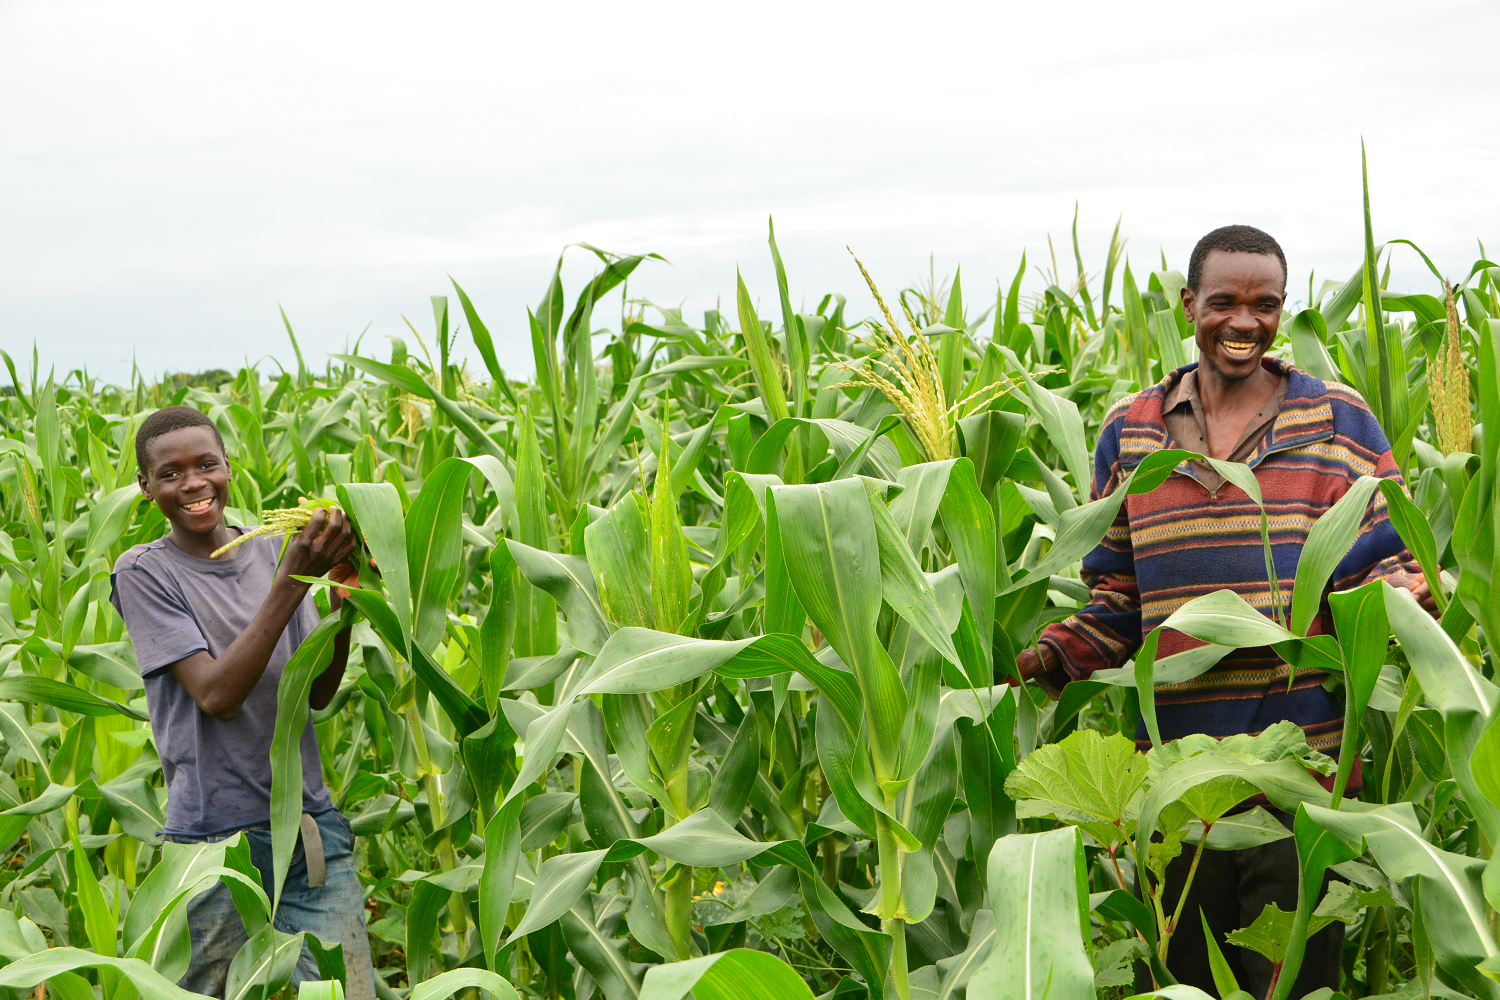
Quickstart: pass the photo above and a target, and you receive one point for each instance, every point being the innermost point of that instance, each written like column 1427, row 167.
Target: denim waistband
column 197, row 838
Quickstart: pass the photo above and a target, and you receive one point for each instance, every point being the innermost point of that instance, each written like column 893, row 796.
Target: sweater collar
column 1306, row 415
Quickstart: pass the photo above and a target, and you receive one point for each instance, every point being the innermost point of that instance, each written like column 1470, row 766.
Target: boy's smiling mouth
column 199, row 506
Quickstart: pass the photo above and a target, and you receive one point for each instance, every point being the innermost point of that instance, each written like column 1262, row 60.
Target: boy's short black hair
column 166, row 420
column 1233, row 239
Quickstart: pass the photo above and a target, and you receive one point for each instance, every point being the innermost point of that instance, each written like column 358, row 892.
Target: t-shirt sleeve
column 161, row 627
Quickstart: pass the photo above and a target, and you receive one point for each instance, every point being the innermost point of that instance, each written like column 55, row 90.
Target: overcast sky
column 170, row 173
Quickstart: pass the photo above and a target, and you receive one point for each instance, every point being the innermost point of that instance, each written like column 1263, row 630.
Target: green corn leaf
column 56, row 962
column 1327, row 543
column 133, row 805
column 379, row 519
column 310, row 660
column 502, row 850
column 442, row 986
column 1466, row 701
column 1145, row 684
column 603, row 957
column 833, row 558
column 108, row 521
column 567, row 582
column 1378, row 368
column 795, row 339
column 671, row 573
column 485, row 343
column 1318, row 849
column 434, row 548
column 1309, row 336
column 736, row 775
column 98, row 919
column 867, row 951
column 784, row 612
column 767, row 379
column 904, row 586
column 1082, row 527
column 1361, row 621
column 1040, row 906
column 619, row 554
column 408, row 379
column 1412, row 525
column 740, row 974
column 45, row 691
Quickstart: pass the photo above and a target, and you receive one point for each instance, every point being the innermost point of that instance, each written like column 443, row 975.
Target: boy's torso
column 217, row 772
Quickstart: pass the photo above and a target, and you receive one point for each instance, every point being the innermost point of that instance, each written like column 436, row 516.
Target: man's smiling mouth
column 199, row 506
column 1239, row 350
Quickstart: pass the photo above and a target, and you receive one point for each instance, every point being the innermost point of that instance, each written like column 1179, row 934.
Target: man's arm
column 1105, row 632
column 1378, row 553
column 1102, row 634
column 221, row 685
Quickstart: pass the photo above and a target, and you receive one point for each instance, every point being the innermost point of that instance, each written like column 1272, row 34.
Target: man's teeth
column 1240, row 347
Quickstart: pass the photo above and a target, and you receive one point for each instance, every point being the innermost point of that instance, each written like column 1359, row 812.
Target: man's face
column 188, row 478
column 1236, row 311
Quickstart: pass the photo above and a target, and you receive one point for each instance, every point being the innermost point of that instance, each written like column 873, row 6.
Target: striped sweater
column 1182, row 541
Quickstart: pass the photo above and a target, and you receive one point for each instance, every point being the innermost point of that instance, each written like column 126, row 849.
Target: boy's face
column 188, row 479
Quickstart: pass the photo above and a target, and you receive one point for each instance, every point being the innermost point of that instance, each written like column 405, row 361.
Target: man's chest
column 1184, row 519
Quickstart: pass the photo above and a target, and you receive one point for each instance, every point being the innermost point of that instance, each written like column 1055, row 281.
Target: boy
column 211, row 638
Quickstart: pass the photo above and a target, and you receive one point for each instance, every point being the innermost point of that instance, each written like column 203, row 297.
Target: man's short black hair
column 166, row 420
column 1233, row 239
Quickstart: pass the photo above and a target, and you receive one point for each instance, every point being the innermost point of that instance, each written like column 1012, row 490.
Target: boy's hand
column 318, row 548
column 347, row 577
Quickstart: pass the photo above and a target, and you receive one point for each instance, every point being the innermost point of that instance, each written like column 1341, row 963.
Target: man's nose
column 1244, row 319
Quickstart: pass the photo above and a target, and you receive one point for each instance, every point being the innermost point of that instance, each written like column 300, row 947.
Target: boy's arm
column 220, row 686
column 326, row 684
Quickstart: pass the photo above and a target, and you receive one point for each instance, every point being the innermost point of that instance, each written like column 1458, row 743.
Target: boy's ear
column 140, row 480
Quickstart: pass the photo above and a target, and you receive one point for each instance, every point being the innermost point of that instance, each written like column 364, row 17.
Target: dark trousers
column 1231, row 888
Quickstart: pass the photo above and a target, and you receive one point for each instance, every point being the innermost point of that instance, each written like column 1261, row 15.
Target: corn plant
column 681, row 667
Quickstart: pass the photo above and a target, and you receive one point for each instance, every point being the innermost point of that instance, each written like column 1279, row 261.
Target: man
column 212, row 637
column 1307, row 442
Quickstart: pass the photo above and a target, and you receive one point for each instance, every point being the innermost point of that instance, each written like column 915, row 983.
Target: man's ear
column 1190, row 304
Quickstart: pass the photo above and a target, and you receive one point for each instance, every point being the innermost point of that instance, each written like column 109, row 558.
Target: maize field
column 684, row 670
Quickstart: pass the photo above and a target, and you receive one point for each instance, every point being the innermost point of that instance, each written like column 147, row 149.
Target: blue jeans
column 334, row 913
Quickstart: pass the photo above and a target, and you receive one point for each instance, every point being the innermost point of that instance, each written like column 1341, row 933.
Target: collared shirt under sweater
column 1192, row 536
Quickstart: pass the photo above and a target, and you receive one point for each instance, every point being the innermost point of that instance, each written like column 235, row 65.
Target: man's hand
column 1420, row 589
column 1030, row 662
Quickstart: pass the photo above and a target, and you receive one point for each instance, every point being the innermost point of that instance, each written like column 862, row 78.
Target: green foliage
column 1088, row 779
column 679, row 670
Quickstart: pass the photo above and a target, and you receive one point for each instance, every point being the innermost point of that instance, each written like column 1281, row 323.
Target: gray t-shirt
column 218, row 773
